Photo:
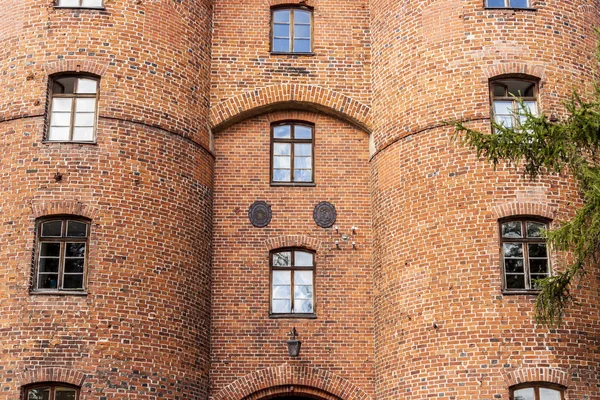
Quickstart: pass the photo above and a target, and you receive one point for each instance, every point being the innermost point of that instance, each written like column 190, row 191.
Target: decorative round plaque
column 324, row 214
column 260, row 214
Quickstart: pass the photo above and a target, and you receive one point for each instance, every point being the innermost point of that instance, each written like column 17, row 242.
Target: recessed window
column 505, row 95
column 508, row 3
column 73, row 106
column 292, row 159
column 79, row 3
column 524, row 253
column 292, row 282
column 292, row 30
column 51, row 392
column 61, row 254
column 539, row 391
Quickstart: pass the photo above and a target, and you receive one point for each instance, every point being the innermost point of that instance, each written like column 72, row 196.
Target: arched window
column 505, row 94
column 291, row 30
column 292, row 283
column 524, row 252
column 292, row 148
column 61, row 254
column 51, row 391
column 537, row 391
column 73, row 104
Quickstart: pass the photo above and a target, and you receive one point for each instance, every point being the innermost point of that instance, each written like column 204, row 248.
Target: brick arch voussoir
column 293, row 241
column 65, row 207
column 290, row 97
column 52, row 374
column 76, row 66
column 524, row 208
column 515, row 68
column 308, row 3
column 266, row 382
column 539, row 374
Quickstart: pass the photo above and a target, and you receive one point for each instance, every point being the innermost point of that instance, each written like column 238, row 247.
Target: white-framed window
column 79, row 3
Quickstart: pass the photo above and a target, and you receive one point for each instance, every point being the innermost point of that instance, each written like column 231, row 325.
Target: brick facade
column 176, row 304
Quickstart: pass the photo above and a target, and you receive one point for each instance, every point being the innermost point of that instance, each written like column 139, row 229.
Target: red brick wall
column 142, row 330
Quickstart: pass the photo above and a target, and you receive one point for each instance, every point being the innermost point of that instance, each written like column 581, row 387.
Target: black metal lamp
column 293, row 344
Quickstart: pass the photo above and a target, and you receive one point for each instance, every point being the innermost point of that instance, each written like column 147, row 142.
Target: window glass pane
column 281, row 292
column 512, row 229
column 281, row 175
column 39, row 394
column 76, row 229
column 534, row 229
column 303, row 306
column 83, row 134
column 537, row 250
column 538, row 266
column 505, row 121
column 48, row 281
column 303, row 162
column 57, row 133
column 302, row 149
column 74, row 265
column 303, row 292
column 51, row 229
column 531, row 106
column 302, row 17
column 281, row 162
column 64, row 85
column 302, row 132
column 302, row 175
column 91, row 3
column 86, row 86
column 85, row 105
column 282, row 259
column 499, row 90
column 301, row 31
column 515, row 281
column 302, row 277
column 514, row 265
column 73, row 281
column 60, row 119
column 282, row 149
column 519, row 3
column 303, row 259
column 302, row 45
column 513, row 250
column 75, row 250
column 549, row 394
column 281, row 16
column 281, row 45
column 68, row 3
column 282, row 132
column 50, row 250
column 281, row 278
column 534, row 279
column 503, row 107
column 48, row 265
column 281, row 30
column 84, row 119
column 61, row 104
column 282, row 306
column 524, row 394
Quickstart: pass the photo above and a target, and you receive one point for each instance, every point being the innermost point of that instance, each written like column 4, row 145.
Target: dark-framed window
column 537, row 391
column 292, row 153
column 79, row 3
column 505, row 95
column 292, row 282
column 73, row 106
column 508, row 3
column 291, row 30
column 51, row 391
column 524, row 252
column 62, row 245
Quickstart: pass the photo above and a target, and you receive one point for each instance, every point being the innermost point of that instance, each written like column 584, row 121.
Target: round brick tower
column 444, row 327
column 137, row 326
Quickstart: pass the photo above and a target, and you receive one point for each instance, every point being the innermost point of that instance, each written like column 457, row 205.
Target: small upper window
column 292, row 30
column 51, row 392
column 541, row 391
column 508, row 3
column 73, row 109
column 292, row 282
column 505, row 94
column 61, row 254
column 292, row 153
column 524, row 253
column 79, row 3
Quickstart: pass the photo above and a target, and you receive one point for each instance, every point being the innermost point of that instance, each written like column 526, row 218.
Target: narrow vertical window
column 62, row 246
column 292, row 153
column 505, row 96
column 51, row 392
column 73, row 109
column 291, row 30
column 524, row 253
column 292, row 282
column 79, row 3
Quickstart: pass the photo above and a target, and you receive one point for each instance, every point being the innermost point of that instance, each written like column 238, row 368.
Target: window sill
column 520, row 291
column 67, row 141
column 279, row 53
column 59, row 292
column 512, row 8
column 79, row 8
column 297, row 184
column 291, row 315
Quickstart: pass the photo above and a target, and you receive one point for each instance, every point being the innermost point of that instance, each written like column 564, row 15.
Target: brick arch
column 288, row 379
column 290, row 97
column 309, row 3
column 524, row 208
column 79, row 66
column 540, row 374
column 515, row 68
column 52, row 374
column 293, row 241
column 66, row 207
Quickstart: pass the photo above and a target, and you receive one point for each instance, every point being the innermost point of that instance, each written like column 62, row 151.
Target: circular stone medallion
column 324, row 214
column 260, row 214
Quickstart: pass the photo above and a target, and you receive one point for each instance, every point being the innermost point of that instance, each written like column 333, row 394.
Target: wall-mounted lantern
column 293, row 344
